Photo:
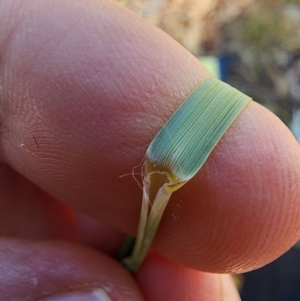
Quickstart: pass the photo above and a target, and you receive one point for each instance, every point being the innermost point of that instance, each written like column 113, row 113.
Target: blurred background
column 254, row 45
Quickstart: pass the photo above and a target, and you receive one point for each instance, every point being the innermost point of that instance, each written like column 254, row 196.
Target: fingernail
column 95, row 295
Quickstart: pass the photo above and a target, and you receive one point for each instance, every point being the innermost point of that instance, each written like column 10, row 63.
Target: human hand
column 85, row 86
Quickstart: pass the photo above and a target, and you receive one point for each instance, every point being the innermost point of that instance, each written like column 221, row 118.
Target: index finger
column 87, row 85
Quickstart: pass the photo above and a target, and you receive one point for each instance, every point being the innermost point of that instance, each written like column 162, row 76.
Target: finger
column 98, row 235
column 56, row 271
column 28, row 212
column 82, row 107
column 244, row 204
column 161, row 279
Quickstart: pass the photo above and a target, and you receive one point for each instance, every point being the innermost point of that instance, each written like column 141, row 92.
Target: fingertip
column 242, row 210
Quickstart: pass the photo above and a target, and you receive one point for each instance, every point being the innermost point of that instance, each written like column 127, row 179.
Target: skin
column 84, row 87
